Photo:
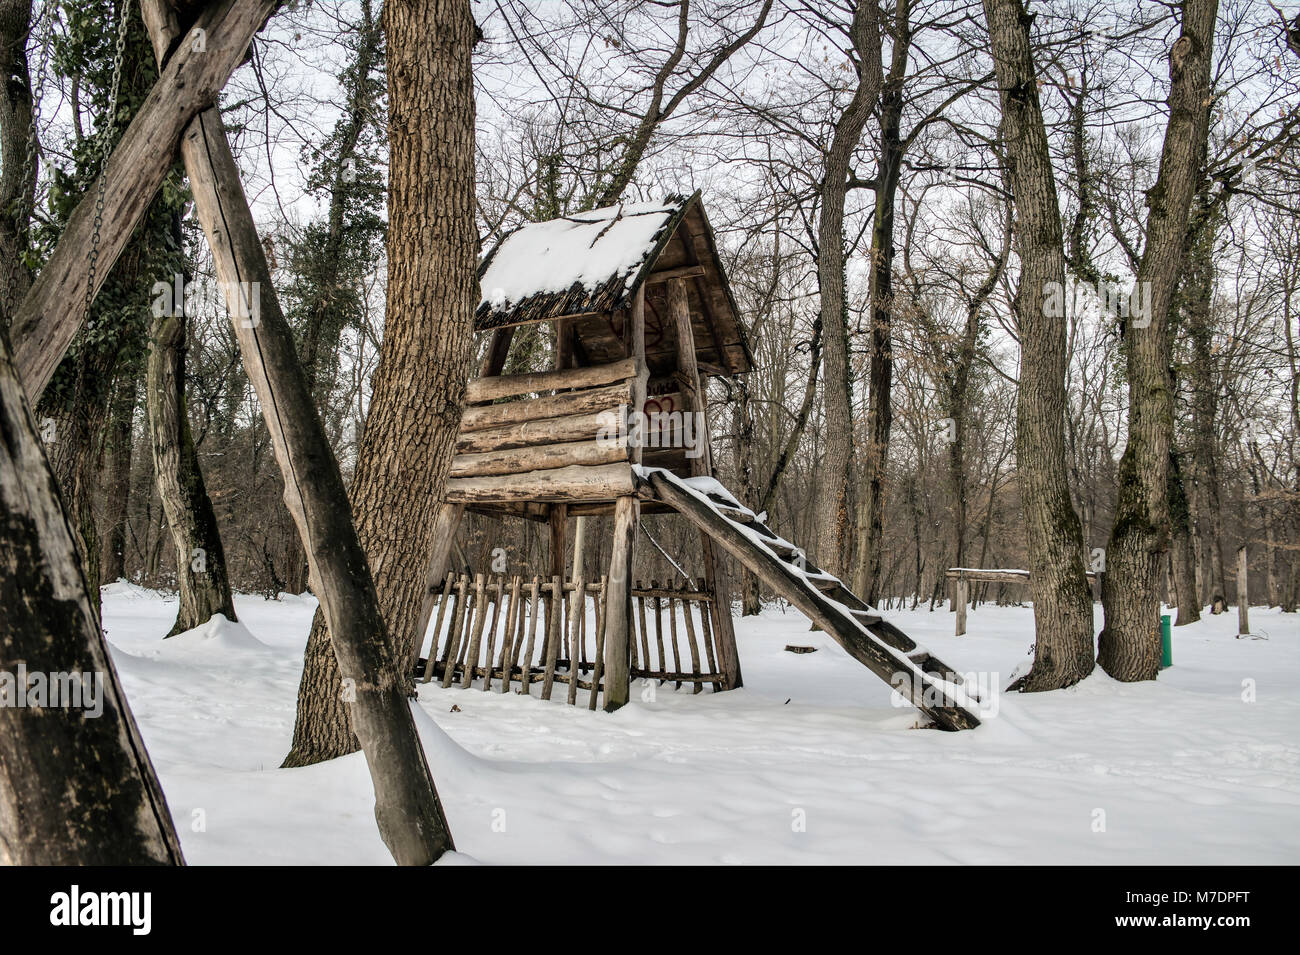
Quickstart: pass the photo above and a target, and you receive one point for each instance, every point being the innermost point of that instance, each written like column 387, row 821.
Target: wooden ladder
column 917, row 674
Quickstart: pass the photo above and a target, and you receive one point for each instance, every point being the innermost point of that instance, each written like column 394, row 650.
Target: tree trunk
column 833, row 491
column 1063, row 648
column 424, row 360
column 117, row 492
column 1129, row 647
column 880, row 411
column 1181, row 561
column 743, row 448
column 73, row 790
column 16, row 190
column 201, row 574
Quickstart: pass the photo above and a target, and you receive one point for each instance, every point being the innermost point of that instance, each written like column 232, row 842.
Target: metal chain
column 110, row 120
column 22, row 227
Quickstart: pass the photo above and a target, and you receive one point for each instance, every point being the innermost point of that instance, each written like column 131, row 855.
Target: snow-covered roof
column 579, row 255
column 589, row 265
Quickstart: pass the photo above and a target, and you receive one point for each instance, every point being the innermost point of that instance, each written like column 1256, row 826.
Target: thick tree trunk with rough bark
column 424, row 360
column 833, row 505
column 74, row 790
column 1063, row 648
column 1197, row 288
column 201, row 574
column 1129, row 647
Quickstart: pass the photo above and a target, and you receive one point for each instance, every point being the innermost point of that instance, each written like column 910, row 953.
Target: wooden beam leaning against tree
column 407, row 807
column 54, row 308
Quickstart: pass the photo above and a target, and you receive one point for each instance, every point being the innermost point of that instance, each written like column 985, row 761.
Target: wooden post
column 618, row 603
column 961, row 600
column 559, row 521
column 579, row 542
column 696, row 401
column 445, row 526
column 1243, row 594
column 407, row 808
column 73, row 790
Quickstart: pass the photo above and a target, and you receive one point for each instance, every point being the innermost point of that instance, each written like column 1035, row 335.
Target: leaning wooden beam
column 933, row 697
column 73, row 790
column 55, row 305
column 407, row 808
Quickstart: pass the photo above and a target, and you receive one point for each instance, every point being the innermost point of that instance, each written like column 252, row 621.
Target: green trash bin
column 1166, row 641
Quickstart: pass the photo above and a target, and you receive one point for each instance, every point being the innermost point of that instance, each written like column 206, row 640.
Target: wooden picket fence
column 693, row 608
column 502, row 631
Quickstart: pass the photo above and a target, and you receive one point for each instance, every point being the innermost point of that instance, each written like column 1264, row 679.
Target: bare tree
column 1063, row 648
column 1129, row 646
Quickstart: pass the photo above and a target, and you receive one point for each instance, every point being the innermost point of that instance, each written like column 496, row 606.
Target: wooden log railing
column 689, row 604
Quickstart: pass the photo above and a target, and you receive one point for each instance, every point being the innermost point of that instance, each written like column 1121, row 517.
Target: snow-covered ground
column 809, row 763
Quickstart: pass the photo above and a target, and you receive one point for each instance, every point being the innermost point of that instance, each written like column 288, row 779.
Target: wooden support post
column 437, row 631
column 508, row 640
column 960, row 601
column 1243, row 594
column 618, row 603
column 526, row 677
column 577, row 613
column 73, row 790
column 559, row 522
column 476, row 635
column 696, row 401
column 497, row 352
column 598, row 670
column 554, row 635
column 444, row 537
column 579, row 543
column 407, row 807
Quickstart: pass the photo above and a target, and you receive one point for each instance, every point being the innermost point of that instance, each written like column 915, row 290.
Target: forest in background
column 582, row 102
